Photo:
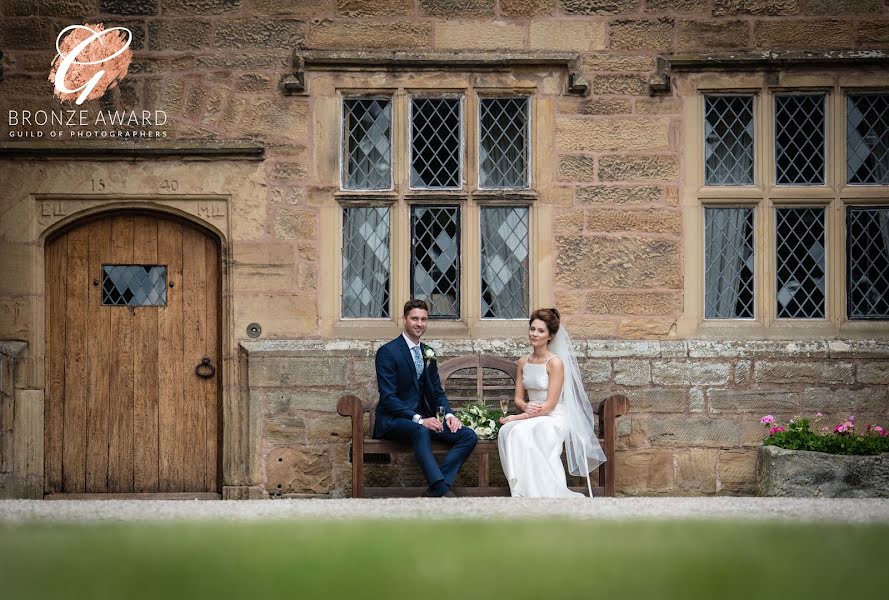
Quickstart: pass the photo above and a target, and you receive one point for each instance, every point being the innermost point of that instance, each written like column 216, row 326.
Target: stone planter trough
column 801, row 473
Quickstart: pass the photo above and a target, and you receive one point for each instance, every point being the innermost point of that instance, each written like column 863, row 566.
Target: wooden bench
column 466, row 379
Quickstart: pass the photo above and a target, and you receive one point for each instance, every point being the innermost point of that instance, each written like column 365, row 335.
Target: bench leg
column 484, row 470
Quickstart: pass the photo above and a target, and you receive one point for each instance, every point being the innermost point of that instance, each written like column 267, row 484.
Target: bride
column 557, row 412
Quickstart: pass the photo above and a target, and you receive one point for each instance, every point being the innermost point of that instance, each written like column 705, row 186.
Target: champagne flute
column 440, row 414
column 504, row 405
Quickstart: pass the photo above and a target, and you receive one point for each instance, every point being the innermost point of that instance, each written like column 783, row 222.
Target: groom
column 410, row 392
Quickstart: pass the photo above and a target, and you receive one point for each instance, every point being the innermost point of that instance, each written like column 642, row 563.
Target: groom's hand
column 432, row 423
column 454, row 424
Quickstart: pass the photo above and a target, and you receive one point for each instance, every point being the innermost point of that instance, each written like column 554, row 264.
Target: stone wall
column 693, row 425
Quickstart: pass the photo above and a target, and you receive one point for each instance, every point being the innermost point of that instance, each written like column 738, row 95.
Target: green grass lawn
column 457, row 560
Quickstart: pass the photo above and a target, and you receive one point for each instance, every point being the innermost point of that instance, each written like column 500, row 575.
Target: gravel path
column 788, row 509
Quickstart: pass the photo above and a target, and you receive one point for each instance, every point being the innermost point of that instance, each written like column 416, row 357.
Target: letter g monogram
column 113, row 49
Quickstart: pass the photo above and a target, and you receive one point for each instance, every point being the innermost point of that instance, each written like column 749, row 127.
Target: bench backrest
column 477, row 377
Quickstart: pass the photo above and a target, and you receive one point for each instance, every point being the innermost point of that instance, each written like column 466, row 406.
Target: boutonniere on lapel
column 429, row 354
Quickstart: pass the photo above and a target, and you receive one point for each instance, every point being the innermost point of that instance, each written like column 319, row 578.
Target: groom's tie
column 418, row 360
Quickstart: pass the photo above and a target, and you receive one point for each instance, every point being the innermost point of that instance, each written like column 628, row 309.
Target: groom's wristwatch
column 420, row 421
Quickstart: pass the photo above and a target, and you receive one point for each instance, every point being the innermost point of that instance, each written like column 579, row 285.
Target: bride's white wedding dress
column 531, row 449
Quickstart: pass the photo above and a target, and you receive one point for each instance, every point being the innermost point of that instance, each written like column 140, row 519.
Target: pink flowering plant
column 842, row 438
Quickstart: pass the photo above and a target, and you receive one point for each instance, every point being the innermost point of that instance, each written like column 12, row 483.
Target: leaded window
column 367, row 144
column 800, row 260
column 504, row 262
column 867, row 260
column 867, row 138
column 728, row 140
column 436, row 143
column 503, row 143
column 134, row 285
column 366, row 264
column 435, row 258
column 799, row 139
column 729, row 263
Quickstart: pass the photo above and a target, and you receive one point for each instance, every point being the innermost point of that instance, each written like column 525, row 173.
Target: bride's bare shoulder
column 554, row 362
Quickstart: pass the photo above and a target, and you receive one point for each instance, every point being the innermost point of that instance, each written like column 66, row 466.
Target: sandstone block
column 641, row 34
column 643, row 471
column 201, row 7
column 599, row 7
column 328, row 428
column 694, row 431
column 614, row 133
column 619, row 85
column 580, row 36
column 633, row 303
column 696, row 470
column 707, row 35
column 638, row 168
column 649, row 327
column 595, row 106
column 874, row 372
column 478, row 35
column 527, row 8
column 755, row 401
column 298, row 372
column 338, row 35
column 374, row 8
column 250, row 33
column 607, row 194
column 802, row 372
column 617, row 63
column 129, row 7
column 681, row 6
column 662, row 400
column 658, row 106
column 593, row 327
column 457, row 8
column 298, row 470
column 775, row 35
column 262, row 267
column 873, row 32
column 646, row 220
column 178, row 34
column 569, row 301
column 60, row 8
column 845, row 401
column 568, row 222
column 296, row 223
column 632, row 372
column 288, row 400
column 285, row 315
column 577, row 168
column 595, row 371
column 593, row 261
column 737, row 471
column 844, row 7
column 690, row 373
column 769, row 8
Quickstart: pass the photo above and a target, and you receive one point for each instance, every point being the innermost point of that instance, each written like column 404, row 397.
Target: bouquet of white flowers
column 479, row 418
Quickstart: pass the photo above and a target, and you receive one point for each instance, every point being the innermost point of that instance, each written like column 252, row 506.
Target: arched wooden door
column 132, row 311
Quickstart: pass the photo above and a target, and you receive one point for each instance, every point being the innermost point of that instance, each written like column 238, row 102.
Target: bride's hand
column 505, row 420
column 532, row 409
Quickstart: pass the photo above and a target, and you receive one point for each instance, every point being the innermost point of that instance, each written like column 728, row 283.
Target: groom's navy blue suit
column 403, row 395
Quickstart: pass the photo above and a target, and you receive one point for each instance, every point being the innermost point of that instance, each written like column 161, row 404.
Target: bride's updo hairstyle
column 550, row 316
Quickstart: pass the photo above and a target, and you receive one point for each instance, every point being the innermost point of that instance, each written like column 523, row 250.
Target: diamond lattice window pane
column 867, row 252
column 134, row 285
column 436, row 141
column 799, row 139
column 867, row 138
column 366, row 262
column 367, row 144
column 800, row 279
column 729, row 263
column 728, row 140
column 435, row 258
column 504, row 262
column 503, row 143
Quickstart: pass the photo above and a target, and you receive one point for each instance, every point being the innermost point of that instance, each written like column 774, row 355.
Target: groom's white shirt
column 410, row 347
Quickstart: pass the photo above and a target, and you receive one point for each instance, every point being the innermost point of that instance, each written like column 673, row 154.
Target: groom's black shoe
column 436, row 490
column 450, row 494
